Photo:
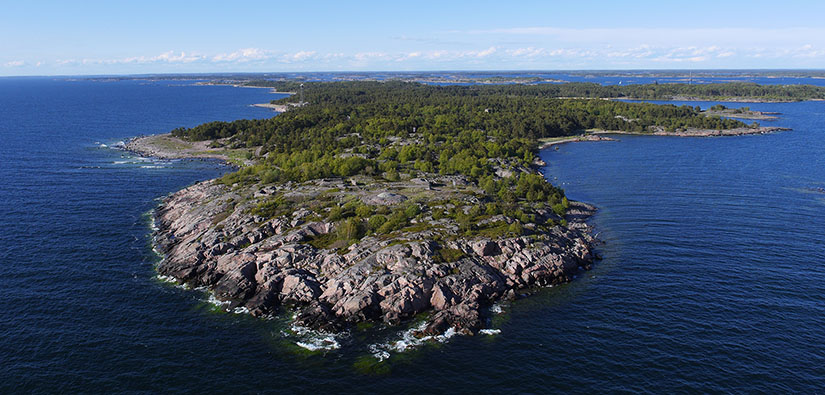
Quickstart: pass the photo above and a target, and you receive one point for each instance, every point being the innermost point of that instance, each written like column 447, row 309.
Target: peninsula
column 383, row 201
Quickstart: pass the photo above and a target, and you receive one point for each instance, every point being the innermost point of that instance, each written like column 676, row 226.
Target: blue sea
column 713, row 277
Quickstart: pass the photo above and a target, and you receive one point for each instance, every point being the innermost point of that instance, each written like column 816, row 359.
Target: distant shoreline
column 691, row 132
column 715, row 99
column 602, row 135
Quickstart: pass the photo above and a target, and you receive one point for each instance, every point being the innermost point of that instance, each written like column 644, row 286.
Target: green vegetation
column 722, row 108
column 448, row 255
column 655, row 91
column 387, row 129
column 390, row 132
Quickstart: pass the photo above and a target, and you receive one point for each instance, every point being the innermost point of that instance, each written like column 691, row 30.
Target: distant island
column 385, row 201
column 730, row 91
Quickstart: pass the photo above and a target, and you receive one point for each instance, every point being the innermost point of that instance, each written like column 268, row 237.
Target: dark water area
column 712, row 278
column 714, row 257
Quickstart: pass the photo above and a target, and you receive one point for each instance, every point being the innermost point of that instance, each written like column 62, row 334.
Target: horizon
column 49, row 38
column 307, row 72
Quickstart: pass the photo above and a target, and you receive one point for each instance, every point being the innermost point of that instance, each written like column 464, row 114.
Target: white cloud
column 166, row 57
column 243, row 55
column 363, row 56
column 512, row 55
column 484, row 53
column 529, row 52
column 433, row 55
column 300, row 56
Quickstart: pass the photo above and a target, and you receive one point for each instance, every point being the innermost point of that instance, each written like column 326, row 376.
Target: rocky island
column 385, row 201
column 741, row 113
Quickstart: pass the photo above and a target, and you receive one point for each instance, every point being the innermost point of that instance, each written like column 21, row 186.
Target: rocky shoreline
column 210, row 239
column 574, row 139
column 166, row 146
column 274, row 107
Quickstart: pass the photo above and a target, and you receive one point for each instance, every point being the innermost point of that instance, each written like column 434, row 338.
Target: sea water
column 713, row 277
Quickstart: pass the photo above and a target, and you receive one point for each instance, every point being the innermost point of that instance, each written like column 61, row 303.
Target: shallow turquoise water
column 712, row 278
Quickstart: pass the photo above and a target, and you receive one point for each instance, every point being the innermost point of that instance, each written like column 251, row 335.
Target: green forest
column 383, row 128
column 655, row 91
column 393, row 131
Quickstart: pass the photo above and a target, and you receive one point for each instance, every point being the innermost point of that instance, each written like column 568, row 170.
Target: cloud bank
column 501, row 48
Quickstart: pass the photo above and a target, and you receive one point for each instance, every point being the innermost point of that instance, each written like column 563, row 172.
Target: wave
column 222, row 304
column 408, row 340
column 314, row 340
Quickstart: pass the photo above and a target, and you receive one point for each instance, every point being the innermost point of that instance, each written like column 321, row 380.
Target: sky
column 150, row 36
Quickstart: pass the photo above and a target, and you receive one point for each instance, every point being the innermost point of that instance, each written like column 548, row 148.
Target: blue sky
column 120, row 37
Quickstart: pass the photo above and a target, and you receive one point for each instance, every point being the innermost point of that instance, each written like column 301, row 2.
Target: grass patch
column 170, row 144
column 223, row 215
column 448, row 255
column 322, row 242
column 494, row 230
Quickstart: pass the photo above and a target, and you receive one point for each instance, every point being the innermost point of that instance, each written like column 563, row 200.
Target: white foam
column 173, row 281
column 490, row 331
column 104, row 146
column 120, row 162
column 211, row 299
column 327, row 343
column 314, row 340
column 153, row 224
column 450, row 332
column 378, row 353
column 497, row 308
column 407, row 341
column 167, row 279
column 152, row 167
column 240, row 310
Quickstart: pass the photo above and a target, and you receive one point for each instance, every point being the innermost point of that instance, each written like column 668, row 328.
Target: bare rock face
column 261, row 264
column 385, row 198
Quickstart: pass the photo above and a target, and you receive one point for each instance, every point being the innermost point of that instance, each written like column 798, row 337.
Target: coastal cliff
column 210, row 239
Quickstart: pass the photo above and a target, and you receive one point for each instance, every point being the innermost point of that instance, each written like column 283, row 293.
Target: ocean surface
column 713, row 277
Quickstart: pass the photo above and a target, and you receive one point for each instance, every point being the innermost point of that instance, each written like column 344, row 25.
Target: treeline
column 385, row 128
column 318, row 91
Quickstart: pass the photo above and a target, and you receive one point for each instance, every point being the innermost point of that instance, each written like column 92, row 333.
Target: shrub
column 412, row 211
column 516, row 229
column 448, row 255
column 375, row 222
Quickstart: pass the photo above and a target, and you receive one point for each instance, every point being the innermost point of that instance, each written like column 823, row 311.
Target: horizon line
column 221, row 73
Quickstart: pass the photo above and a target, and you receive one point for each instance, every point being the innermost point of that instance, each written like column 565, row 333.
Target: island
column 741, row 113
column 730, row 91
column 389, row 201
